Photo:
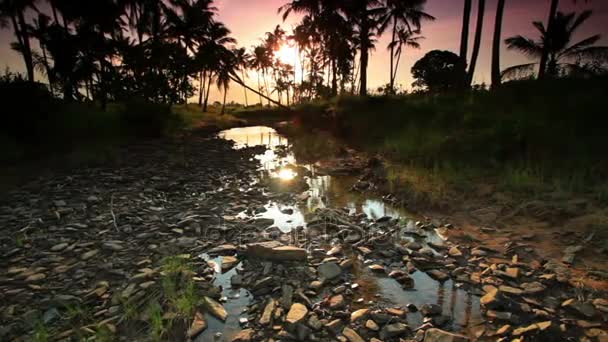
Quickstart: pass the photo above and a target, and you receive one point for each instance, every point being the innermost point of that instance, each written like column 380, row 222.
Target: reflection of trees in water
column 453, row 296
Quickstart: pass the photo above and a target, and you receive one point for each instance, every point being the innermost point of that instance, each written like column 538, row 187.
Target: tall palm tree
column 226, row 69
column 402, row 15
column 464, row 35
column 365, row 15
column 15, row 11
column 260, row 61
column 500, row 8
column 477, row 42
column 563, row 55
column 242, row 62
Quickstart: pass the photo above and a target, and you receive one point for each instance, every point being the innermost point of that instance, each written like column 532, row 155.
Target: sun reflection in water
column 286, row 174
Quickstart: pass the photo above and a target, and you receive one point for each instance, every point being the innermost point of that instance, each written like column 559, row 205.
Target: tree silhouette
column 563, row 55
column 500, row 8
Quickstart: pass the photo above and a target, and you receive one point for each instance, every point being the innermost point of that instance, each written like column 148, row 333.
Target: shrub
column 147, row 119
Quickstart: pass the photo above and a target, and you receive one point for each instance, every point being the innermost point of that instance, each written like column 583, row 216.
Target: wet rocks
column 216, row 309
column 393, row 330
column 267, row 313
column 437, row 335
column 336, row 302
column 276, row 251
column 351, row 335
column 198, row 325
column 245, row 335
column 329, row 270
column 296, row 313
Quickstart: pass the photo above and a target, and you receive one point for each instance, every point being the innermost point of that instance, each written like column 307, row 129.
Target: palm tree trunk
column 245, row 90
column 224, row 103
column 334, row 79
column 236, row 80
column 201, row 89
column 396, row 68
column 54, row 10
column 545, row 56
column 496, row 45
column 27, row 49
column 260, row 90
column 477, row 42
column 464, row 35
column 392, row 79
column 208, row 91
column 266, row 85
column 363, row 71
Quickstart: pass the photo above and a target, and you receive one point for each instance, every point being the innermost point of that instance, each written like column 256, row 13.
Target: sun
column 286, row 54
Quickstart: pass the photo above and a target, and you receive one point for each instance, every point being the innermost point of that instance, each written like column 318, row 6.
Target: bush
column 27, row 110
column 146, row 119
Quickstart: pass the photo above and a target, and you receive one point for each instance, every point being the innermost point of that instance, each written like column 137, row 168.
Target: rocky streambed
column 211, row 240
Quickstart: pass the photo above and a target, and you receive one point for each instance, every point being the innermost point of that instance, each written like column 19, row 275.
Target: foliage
column 440, row 71
column 564, row 57
column 146, row 119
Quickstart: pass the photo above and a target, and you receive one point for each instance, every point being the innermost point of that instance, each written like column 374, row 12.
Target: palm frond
column 516, row 72
column 580, row 20
column 525, row 45
column 587, row 42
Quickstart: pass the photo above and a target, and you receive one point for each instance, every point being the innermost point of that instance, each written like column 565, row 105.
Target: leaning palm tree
column 563, row 56
column 405, row 17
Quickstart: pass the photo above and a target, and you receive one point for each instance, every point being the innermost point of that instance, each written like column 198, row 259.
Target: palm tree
column 464, row 35
column 500, row 8
column 403, row 15
column 226, row 69
column 242, row 62
column 477, row 42
column 259, row 61
column 563, row 56
column 405, row 38
column 15, row 11
column 365, row 15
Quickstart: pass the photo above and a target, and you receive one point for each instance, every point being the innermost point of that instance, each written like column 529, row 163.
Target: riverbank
column 197, row 241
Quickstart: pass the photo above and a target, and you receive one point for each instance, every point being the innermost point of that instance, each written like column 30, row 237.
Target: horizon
column 442, row 34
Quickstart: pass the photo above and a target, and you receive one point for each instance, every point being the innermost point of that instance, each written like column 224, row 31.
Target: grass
column 527, row 138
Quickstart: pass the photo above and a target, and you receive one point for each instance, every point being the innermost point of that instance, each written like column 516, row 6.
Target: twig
column 112, row 212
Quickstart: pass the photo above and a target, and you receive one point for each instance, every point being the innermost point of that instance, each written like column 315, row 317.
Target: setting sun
column 286, row 54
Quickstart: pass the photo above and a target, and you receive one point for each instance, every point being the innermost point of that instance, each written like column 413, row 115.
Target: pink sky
column 250, row 19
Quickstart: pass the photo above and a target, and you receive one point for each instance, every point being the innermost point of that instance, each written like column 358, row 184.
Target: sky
column 250, row 19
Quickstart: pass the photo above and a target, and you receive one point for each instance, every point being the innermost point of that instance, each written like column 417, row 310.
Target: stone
column 286, row 296
column 376, row 268
column 512, row 272
column 274, row 250
column 393, row 330
column 315, row 323
column 198, row 325
column 336, row 302
column 216, row 309
column 296, row 313
column 510, row 290
column 59, row 247
column 228, row 262
column 533, row 288
column 431, row 310
column 236, row 280
column 329, row 270
column 455, row 252
column 223, row 249
column 490, row 297
column 358, row 314
column 88, row 255
column 438, row 275
column 351, row 335
column 35, row 277
column 334, row 326
column 245, row 335
column 438, row 335
column 371, row 325
column 267, row 313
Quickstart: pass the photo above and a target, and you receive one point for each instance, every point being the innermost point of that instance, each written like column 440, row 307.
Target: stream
column 280, row 164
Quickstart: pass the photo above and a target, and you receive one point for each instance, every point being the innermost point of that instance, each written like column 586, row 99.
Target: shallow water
column 334, row 191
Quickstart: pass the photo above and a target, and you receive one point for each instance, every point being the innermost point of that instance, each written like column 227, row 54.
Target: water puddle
column 325, row 191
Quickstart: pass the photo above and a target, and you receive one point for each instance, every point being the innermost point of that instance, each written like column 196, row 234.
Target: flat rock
column 329, row 270
column 245, row 335
column 358, row 314
column 296, row 313
column 438, row 335
column 276, row 251
column 215, row 308
column 267, row 313
column 393, row 330
column 351, row 335
column 336, row 302
column 198, row 325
